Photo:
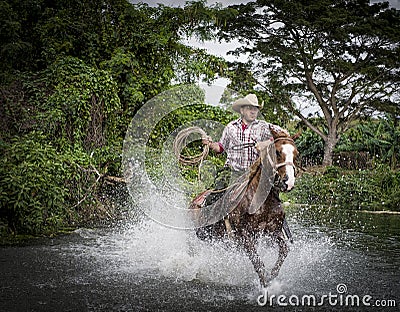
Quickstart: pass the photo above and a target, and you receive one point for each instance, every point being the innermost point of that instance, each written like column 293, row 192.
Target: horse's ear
column 273, row 132
column 296, row 136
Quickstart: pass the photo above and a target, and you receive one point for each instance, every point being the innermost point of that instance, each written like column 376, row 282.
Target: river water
column 346, row 260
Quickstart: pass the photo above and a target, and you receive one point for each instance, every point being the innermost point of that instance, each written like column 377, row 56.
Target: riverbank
column 370, row 190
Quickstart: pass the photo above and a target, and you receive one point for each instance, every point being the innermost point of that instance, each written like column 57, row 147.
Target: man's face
column 249, row 113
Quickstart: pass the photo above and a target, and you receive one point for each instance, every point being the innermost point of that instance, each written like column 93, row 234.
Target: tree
column 141, row 46
column 340, row 56
column 72, row 75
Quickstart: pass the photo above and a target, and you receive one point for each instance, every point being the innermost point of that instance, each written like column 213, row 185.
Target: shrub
column 32, row 185
column 43, row 189
column 364, row 189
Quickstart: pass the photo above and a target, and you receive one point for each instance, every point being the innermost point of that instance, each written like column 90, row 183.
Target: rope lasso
column 180, row 143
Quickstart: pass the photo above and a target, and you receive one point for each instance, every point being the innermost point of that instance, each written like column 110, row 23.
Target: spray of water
column 149, row 249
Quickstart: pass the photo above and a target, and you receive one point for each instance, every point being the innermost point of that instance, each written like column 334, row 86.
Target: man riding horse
column 239, row 140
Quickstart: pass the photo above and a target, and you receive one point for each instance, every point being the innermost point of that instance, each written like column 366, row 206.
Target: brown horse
column 257, row 211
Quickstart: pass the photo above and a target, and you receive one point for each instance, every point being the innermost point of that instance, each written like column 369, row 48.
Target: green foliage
column 42, row 189
column 311, row 148
column 84, row 101
column 70, row 116
column 77, row 106
column 32, row 185
column 339, row 56
column 371, row 189
column 309, row 144
column 18, row 43
column 73, row 74
column 379, row 137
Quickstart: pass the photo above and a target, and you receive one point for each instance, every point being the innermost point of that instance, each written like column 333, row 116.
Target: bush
column 32, row 186
column 311, row 148
column 367, row 189
column 44, row 189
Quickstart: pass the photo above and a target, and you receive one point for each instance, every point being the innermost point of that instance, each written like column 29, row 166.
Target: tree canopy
column 340, row 56
column 72, row 75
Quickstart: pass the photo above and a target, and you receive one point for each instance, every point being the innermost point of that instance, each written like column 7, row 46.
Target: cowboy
column 238, row 140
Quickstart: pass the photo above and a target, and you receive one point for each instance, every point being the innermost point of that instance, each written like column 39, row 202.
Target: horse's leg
column 283, row 252
column 251, row 251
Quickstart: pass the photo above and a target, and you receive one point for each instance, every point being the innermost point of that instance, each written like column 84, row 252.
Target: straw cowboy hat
column 250, row 99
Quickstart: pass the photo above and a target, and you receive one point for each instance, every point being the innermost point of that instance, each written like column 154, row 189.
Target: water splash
column 164, row 260
column 148, row 248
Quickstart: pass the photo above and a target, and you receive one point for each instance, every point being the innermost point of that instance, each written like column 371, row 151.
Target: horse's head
column 286, row 154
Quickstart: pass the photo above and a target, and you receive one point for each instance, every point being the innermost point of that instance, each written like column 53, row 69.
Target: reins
column 286, row 163
column 284, row 139
column 180, row 143
column 244, row 145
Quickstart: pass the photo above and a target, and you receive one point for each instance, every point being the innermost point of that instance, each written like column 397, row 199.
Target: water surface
column 145, row 266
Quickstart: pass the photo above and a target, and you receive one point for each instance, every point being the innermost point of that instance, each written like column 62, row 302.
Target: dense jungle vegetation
column 74, row 73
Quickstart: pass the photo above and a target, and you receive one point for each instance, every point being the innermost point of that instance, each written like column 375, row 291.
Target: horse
column 247, row 221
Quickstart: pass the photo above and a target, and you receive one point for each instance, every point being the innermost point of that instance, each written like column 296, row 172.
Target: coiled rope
column 181, row 141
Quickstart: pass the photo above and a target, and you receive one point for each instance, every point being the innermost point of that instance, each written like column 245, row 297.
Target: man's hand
column 212, row 145
column 206, row 140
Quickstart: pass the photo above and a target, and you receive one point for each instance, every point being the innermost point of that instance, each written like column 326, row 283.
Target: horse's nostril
column 285, row 178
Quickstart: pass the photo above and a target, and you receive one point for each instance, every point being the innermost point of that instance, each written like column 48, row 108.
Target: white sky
column 182, row 2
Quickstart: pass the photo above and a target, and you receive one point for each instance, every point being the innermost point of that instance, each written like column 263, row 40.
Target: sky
column 182, row 2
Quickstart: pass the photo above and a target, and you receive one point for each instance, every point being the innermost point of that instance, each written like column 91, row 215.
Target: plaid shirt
column 236, row 135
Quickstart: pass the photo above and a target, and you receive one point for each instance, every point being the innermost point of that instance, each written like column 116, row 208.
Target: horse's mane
column 263, row 148
column 254, row 168
column 263, row 170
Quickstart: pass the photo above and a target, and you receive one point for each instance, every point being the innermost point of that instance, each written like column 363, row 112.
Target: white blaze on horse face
column 288, row 150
